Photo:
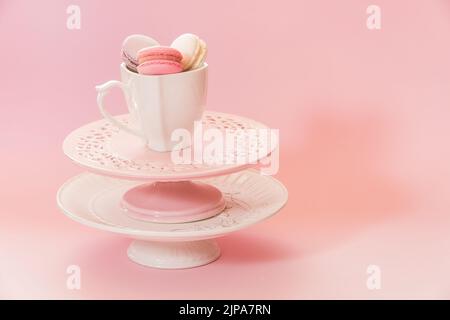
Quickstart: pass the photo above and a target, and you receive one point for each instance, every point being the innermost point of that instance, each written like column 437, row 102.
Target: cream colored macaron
column 192, row 48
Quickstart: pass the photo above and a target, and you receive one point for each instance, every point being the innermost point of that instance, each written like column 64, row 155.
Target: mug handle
column 102, row 91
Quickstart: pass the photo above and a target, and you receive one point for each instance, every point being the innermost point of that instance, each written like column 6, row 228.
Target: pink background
column 365, row 152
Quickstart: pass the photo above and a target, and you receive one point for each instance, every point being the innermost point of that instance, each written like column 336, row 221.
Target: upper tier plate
column 102, row 148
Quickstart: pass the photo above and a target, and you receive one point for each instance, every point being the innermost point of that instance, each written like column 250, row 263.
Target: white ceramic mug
column 159, row 104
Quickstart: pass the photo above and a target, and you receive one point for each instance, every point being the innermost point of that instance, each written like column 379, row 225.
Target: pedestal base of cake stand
column 173, row 255
column 173, row 202
column 95, row 201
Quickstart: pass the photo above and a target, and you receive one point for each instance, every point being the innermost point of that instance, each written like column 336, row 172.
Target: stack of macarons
column 146, row 56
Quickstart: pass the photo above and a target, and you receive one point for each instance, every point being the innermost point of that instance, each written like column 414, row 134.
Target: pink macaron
column 159, row 60
column 159, row 53
column 159, row 67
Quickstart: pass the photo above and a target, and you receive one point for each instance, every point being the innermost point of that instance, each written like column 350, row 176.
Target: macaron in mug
column 164, row 88
column 159, row 104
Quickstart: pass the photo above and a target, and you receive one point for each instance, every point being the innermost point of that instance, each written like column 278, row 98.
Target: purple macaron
column 130, row 47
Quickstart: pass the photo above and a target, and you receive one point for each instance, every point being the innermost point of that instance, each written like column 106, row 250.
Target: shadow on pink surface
column 245, row 248
column 338, row 182
column 105, row 266
column 238, row 249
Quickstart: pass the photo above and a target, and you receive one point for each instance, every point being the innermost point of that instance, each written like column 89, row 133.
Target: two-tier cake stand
column 200, row 201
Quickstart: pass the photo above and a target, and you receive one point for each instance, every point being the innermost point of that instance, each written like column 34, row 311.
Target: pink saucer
column 173, row 202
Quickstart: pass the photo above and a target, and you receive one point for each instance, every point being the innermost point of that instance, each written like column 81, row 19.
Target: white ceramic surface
column 173, row 255
column 95, row 201
column 159, row 104
column 102, row 148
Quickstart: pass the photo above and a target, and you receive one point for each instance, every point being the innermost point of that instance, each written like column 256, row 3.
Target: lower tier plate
column 95, row 201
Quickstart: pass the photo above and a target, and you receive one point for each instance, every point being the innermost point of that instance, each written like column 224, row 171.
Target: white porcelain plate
column 95, row 201
column 102, row 148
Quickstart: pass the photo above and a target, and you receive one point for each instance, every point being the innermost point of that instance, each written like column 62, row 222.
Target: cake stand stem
column 173, row 255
